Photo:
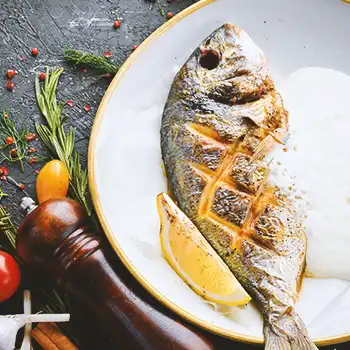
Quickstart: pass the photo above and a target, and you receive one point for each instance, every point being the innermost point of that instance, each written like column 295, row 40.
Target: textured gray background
column 52, row 25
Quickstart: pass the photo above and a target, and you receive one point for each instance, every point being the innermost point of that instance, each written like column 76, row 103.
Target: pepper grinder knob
column 27, row 205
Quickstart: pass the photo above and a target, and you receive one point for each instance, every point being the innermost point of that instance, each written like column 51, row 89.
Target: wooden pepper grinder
column 56, row 239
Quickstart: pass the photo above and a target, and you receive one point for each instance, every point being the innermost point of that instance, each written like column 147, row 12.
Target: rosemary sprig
column 58, row 141
column 87, row 59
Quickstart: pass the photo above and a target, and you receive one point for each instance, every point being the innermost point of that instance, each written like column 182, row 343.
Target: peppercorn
column 11, row 73
column 30, row 137
column 10, row 85
column 13, row 153
column 9, row 140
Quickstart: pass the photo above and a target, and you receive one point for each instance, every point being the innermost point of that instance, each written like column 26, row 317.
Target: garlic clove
column 9, row 327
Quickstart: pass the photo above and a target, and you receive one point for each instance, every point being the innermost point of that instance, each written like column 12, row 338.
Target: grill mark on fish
column 215, row 178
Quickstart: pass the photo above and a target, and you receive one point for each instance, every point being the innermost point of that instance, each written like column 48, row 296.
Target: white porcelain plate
column 308, row 49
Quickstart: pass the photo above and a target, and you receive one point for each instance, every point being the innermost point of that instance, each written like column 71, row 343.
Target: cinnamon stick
column 50, row 337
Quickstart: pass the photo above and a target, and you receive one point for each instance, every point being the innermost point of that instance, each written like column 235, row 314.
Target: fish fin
column 300, row 341
column 265, row 147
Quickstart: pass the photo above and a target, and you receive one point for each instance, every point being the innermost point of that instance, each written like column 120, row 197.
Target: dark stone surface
column 52, row 25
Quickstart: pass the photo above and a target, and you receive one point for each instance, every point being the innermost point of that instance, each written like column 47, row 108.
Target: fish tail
column 296, row 337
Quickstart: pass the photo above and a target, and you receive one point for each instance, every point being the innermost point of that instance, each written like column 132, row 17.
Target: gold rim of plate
column 108, row 230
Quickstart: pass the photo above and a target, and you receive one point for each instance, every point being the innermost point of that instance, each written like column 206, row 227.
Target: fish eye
column 209, row 59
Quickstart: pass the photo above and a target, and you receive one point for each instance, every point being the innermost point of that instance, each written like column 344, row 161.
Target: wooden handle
column 55, row 238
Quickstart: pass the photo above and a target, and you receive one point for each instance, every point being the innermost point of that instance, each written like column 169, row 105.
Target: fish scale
column 223, row 117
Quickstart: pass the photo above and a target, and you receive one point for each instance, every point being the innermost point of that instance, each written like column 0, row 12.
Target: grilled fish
column 222, row 119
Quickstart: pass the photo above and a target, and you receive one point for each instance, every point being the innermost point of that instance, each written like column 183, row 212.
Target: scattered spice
column 9, row 140
column 31, row 150
column 285, row 149
column 70, row 103
column 87, row 108
column 169, row 15
column 30, row 137
column 117, row 23
column 108, row 75
column 10, row 85
column 35, row 51
column 84, row 70
column 11, row 73
column 20, row 58
column 4, row 170
column 42, row 76
column 3, row 178
column 13, row 153
column 21, row 186
column 108, row 54
column 37, row 170
column 32, row 160
column 135, row 47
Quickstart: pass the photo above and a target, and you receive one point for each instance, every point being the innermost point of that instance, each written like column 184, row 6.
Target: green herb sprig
column 2, row 194
column 90, row 60
column 161, row 8
column 7, row 242
column 13, row 138
column 59, row 141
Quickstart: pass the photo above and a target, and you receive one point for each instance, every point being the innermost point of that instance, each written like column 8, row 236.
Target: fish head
column 229, row 65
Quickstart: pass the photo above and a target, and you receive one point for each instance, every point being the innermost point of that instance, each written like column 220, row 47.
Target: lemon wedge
column 193, row 258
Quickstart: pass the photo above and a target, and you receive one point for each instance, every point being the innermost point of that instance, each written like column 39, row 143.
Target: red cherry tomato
column 10, row 276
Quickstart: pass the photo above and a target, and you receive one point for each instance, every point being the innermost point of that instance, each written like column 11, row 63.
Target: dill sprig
column 57, row 140
column 13, row 142
column 90, row 60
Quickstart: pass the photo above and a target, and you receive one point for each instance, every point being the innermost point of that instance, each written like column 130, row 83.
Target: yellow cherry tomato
column 52, row 181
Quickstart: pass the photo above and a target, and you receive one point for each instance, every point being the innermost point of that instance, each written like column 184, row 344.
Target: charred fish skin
column 222, row 118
